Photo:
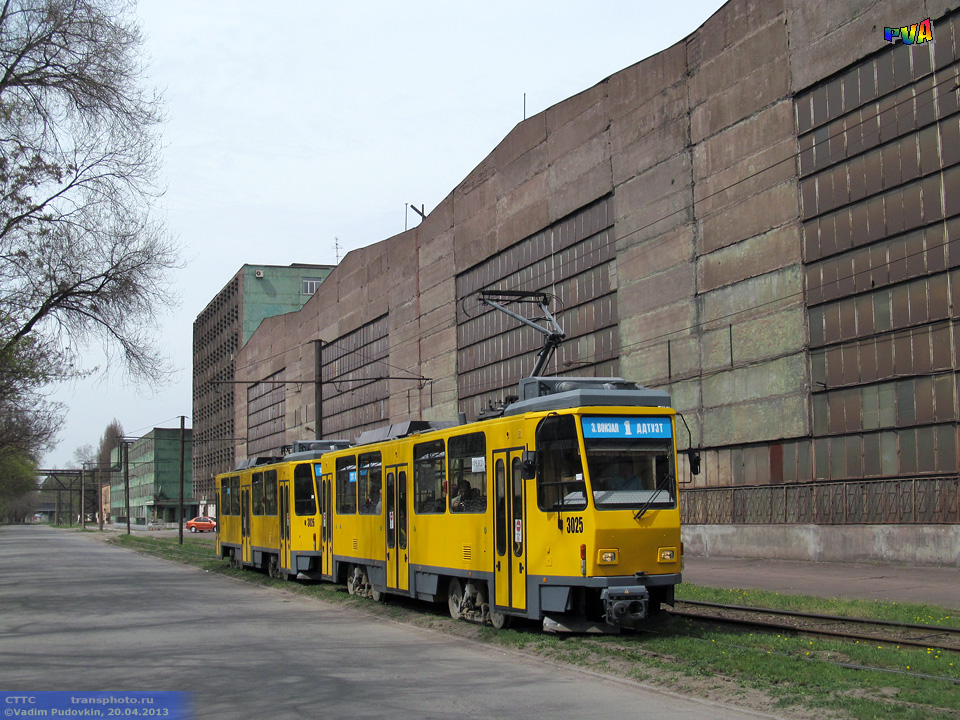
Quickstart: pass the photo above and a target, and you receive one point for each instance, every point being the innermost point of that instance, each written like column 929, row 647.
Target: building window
column 309, row 285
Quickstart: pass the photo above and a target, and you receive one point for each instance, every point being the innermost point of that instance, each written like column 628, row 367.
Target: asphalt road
column 78, row 614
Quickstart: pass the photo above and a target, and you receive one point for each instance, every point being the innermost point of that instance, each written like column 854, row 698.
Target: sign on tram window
column 626, row 427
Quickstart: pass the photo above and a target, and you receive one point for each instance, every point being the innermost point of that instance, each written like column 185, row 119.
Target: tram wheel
column 377, row 595
column 500, row 620
column 273, row 567
column 351, row 581
column 454, row 598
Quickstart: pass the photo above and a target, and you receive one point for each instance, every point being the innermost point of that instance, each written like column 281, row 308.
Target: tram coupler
column 625, row 605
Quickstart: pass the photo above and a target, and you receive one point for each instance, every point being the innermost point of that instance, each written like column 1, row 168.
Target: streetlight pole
column 126, row 479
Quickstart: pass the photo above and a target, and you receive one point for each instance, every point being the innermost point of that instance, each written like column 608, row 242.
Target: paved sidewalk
column 895, row 583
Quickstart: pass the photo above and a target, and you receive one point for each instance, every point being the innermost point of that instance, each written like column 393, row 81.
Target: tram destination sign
column 644, row 428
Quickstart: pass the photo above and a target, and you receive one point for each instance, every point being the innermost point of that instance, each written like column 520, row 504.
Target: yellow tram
column 563, row 509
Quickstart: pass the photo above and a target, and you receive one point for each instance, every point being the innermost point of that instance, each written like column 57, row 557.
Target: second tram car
column 563, row 509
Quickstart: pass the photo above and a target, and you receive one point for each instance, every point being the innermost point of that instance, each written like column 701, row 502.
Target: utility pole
column 126, row 479
column 183, row 419
column 99, row 486
column 83, row 498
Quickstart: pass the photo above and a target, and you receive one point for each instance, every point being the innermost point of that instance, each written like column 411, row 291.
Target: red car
column 200, row 524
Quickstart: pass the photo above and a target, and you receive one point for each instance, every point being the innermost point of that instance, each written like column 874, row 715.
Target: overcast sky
column 294, row 123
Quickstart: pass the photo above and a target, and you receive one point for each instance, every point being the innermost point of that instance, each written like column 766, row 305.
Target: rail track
column 881, row 631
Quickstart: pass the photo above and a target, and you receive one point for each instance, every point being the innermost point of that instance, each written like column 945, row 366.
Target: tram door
column 510, row 559
column 219, row 518
column 326, row 525
column 285, row 524
column 398, row 573
column 245, row 525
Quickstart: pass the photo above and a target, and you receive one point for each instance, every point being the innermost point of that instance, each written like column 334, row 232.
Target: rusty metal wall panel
column 353, row 369
column 880, row 190
column 573, row 259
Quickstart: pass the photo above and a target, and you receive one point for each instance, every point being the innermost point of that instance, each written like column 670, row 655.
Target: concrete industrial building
column 153, row 464
column 254, row 293
column 759, row 220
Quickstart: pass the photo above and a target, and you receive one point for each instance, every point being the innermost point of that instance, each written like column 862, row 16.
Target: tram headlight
column 667, row 555
column 608, row 557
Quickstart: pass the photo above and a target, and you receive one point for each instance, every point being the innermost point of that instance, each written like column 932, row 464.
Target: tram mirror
column 528, row 468
column 694, row 458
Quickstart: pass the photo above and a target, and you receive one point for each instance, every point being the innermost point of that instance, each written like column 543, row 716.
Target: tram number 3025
column 574, row 525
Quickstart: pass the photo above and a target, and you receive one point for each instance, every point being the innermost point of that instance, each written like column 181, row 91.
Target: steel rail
column 913, row 642
column 818, row 616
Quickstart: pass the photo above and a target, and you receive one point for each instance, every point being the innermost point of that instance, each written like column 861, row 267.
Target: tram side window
column 560, row 484
column 429, row 483
column 370, row 483
column 224, row 497
column 257, row 493
column 304, row 495
column 235, row 495
column 346, row 486
column 270, row 492
column 467, row 473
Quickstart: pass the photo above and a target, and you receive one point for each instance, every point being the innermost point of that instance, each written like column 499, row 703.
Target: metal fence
column 918, row 500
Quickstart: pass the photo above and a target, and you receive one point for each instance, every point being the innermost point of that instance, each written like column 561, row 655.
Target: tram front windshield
column 630, row 462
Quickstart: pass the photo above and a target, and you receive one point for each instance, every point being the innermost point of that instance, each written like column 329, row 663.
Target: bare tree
column 82, row 257
column 84, row 455
column 28, row 422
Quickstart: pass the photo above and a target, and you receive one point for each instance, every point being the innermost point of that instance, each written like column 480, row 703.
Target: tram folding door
column 398, row 567
column 326, row 526
column 285, row 525
column 510, row 523
column 245, row 553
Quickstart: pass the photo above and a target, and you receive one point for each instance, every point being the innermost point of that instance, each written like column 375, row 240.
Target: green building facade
column 154, row 477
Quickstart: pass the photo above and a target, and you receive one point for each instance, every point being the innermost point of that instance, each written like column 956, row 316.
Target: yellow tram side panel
column 457, row 542
column 228, row 523
column 264, row 528
column 464, row 543
column 356, row 535
column 554, row 539
column 460, row 542
column 265, row 532
column 359, row 536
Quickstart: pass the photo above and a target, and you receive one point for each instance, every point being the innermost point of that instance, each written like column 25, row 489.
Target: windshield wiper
column 656, row 491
